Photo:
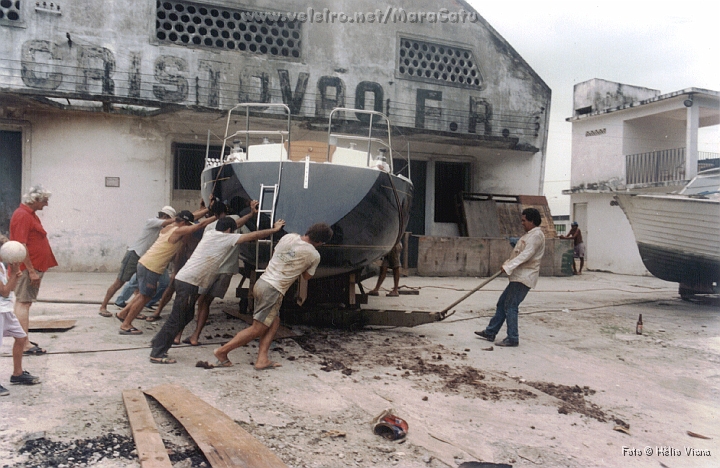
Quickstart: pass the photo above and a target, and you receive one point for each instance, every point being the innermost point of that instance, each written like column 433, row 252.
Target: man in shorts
column 26, row 228
column 294, row 256
column 10, row 326
column 578, row 246
column 199, row 271
column 128, row 266
column 391, row 260
column 153, row 264
column 221, row 281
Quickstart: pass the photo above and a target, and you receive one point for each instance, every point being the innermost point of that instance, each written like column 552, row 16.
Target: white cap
column 168, row 210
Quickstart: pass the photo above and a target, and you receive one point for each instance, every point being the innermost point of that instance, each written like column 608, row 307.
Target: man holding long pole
column 523, row 269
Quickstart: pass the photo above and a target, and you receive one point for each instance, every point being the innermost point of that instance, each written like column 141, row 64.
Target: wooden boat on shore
column 678, row 235
column 365, row 202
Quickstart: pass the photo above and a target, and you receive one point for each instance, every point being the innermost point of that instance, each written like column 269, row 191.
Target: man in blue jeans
column 132, row 286
column 523, row 269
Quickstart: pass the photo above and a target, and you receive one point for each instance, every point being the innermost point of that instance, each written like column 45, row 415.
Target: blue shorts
column 147, row 281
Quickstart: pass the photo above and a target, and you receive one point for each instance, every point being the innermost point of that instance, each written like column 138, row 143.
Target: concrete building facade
column 637, row 139
column 109, row 105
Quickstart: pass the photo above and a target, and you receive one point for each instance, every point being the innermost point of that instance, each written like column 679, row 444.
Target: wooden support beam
column 48, row 324
column 224, row 443
column 343, row 318
column 150, row 447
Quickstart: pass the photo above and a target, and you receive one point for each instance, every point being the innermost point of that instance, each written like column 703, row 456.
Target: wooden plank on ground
column 49, row 324
column 151, row 450
column 224, row 443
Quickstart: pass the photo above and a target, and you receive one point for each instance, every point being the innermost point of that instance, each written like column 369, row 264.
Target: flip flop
column 131, row 331
column 187, row 341
column 225, row 363
column 34, row 351
column 392, row 294
column 272, row 365
column 118, row 317
column 373, row 293
column 153, row 318
column 163, row 360
column 105, row 313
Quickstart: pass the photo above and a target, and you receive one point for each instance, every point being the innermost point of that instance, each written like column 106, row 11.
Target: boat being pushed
column 355, row 191
column 678, row 235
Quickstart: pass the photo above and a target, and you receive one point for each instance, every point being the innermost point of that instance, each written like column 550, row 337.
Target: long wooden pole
column 444, row 311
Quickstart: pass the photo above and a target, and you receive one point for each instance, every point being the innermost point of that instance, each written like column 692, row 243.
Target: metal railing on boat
column 369, row 138
column 247, row 133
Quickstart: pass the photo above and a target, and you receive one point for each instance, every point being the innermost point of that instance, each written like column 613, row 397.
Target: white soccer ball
column 13, row 252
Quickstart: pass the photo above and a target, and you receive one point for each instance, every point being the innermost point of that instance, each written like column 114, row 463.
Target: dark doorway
column 451, row 178
column 416, row 224
column 189, row 163
column 10, row 176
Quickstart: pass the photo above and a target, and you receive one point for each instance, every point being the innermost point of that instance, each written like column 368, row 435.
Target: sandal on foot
column 187, row 341
column 373, row 293
column 153, row 318
column 34, row 351
column 225, row 363
column 105, row 313
column 393, row 294
column 131, row 331
column 162, row 360
column 118, row 317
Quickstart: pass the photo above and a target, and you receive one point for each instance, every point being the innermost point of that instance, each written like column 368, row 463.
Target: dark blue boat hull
column 368, row 209
column 692, row 271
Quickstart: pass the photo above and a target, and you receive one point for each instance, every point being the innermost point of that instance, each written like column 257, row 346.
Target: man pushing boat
column 294, row 256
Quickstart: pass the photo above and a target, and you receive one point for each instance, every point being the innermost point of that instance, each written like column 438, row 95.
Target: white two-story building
column 631, row 138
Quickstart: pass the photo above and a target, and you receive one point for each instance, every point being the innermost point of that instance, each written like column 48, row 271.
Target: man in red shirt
column 26, row 228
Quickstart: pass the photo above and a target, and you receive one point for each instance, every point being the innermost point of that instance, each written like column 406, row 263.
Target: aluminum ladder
column 266, row 206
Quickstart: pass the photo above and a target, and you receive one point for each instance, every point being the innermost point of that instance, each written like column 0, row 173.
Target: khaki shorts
column 10, row 326
column 267, row 302
column 392, row 259
column 24, row 291
column 579, row 250
column 219, row 287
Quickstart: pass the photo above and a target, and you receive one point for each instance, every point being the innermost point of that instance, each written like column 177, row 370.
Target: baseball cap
column 168, row 210
column 186, row 216
column 574, row 223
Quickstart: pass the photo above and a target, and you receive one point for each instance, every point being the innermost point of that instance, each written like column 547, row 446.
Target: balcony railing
column 708, row 160
column 655, row 166
column 664, row 166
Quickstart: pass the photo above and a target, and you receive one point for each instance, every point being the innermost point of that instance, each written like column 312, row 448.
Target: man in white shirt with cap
column 128, row 266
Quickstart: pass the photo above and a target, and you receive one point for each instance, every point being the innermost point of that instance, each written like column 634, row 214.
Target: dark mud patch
column 572, row 398
column 407, row 356
column 44, row 452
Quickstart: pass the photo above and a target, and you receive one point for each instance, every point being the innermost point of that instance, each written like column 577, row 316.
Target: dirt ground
column 581, row 390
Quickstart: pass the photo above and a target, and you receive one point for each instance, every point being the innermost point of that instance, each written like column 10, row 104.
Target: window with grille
column 10, row 10
column 263, row 33
column 438, row 63
column 189, row 162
